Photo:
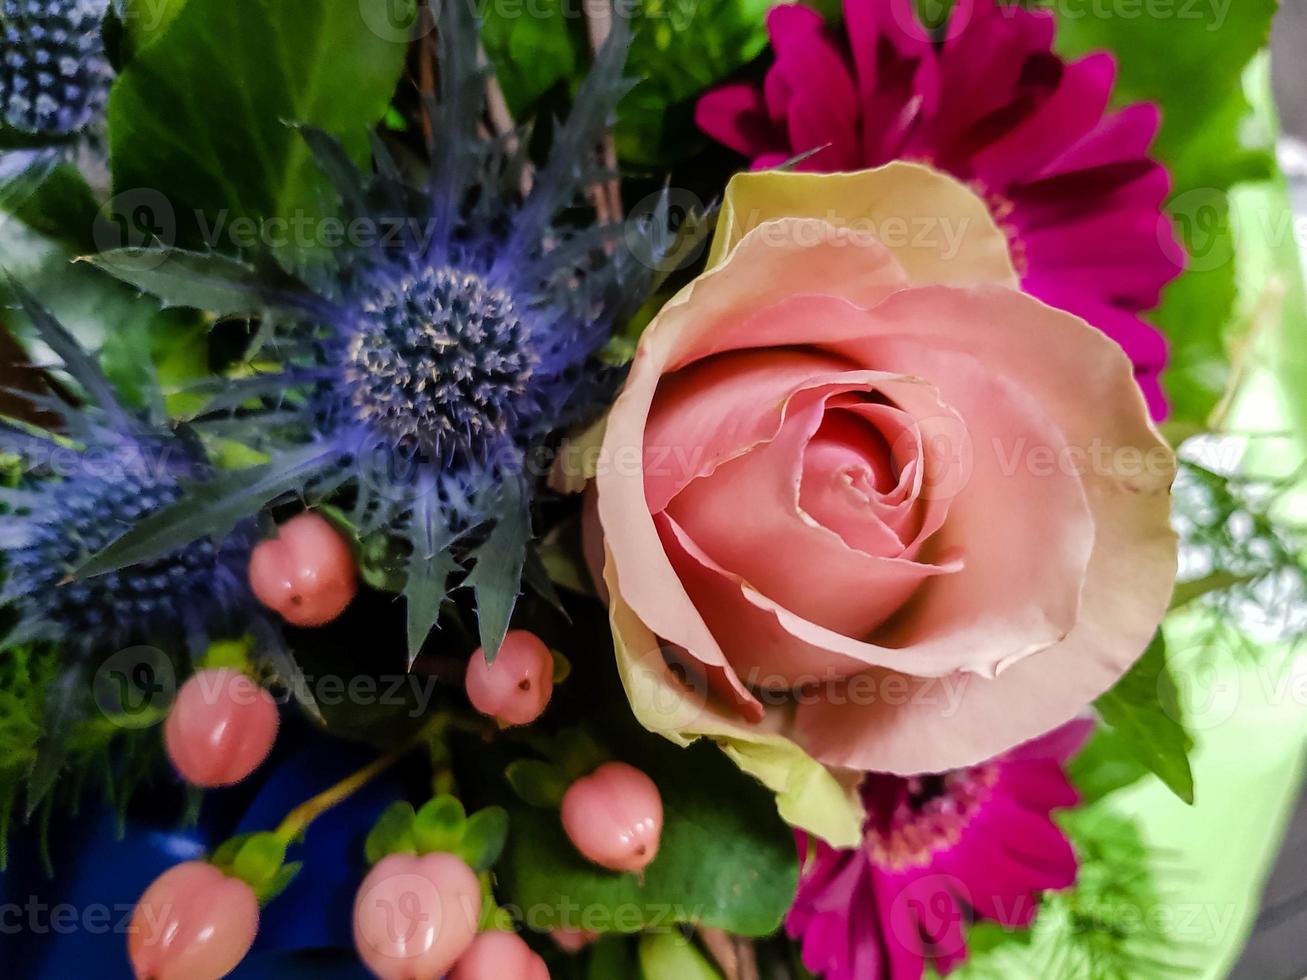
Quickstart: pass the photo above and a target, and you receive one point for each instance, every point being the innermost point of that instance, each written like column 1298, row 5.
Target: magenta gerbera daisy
column 938, row 852
column 988, row 101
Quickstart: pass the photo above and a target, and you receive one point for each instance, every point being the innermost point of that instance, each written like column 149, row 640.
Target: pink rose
column 884, row 506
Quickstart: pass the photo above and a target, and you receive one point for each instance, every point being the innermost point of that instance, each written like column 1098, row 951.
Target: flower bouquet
column 648, row 490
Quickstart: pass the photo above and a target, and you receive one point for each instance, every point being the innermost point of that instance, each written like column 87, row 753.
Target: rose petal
column 1131, row 570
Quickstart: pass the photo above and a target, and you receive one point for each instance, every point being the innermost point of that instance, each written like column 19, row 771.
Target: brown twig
column 737, row 957
column 501, row 120
column 427, row 71
column 607, row 197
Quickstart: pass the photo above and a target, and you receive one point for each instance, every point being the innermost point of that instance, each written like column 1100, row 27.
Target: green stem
column 297, row 821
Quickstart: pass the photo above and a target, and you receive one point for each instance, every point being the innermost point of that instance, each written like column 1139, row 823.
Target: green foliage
column 1110, row 926
column 533, row 54
column 440, row 826
column 259, row 860
column 96, row 753
column 726, row 859
column 392, row 833
column 680, row 49
column 670, row 956
column 1144, row 708
column 201, row 116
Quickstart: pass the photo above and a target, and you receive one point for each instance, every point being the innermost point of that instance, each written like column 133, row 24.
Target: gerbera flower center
column 910, row 819
column 54, row 76
column 81, row 515
column 439, row 361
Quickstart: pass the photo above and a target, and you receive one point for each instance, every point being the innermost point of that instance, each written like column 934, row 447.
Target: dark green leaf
column 485, row 835
column 392, row 833
column 1144, row 708
column 202, row 114
column 726, row 859
column 206, row 281
column 538, row 783
column 611, row 957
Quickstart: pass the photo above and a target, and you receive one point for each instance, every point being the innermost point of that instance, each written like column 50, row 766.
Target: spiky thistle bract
column 74, row 492
column 421, row 378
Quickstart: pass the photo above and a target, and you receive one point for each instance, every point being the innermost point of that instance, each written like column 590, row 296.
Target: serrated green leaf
column 211, row 509
column 206, row 281
column 537, row 783
column 496, row 578
column 200, row 114
column 1144, row 708
column 484, row 838
column 392, row 833
column 440, row 825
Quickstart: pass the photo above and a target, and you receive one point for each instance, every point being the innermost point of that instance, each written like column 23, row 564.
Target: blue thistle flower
column 423, row 377
column 74, row 494
column 54, row 72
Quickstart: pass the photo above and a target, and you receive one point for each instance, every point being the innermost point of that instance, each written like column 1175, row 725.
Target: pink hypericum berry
column 415, row 916
column 614, row 816
column 500, row 956
column 220, row 728
column 572, row 940
column 193, row 923
column 514, row 689
column 307, row 573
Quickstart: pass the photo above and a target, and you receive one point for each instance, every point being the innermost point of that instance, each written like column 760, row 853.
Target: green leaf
column 393, row 833
column 611, row 957
column 531, row 54
column 540, row 784
column 484, row 838
column 1106, row 764
column 146, row 20
column 670, row 956
column 440, row 825
column 681, row 48
column 202, row 114
column 210, row 509
column 206, row 281
column 726, row 858
column 1144, row 708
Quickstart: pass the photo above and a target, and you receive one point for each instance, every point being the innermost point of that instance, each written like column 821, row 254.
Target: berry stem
column 297, row 821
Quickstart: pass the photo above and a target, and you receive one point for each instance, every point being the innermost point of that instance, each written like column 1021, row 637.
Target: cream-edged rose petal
column 866, row 272
column 1084, row 383
column 939, row 230
column 809, row 795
